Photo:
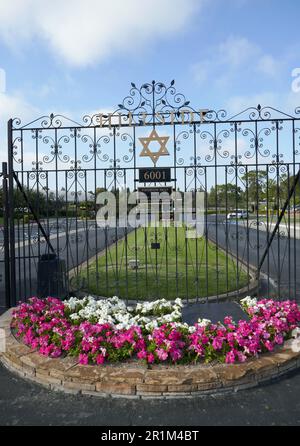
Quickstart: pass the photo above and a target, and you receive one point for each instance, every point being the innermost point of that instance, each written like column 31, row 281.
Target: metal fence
column 246, row 166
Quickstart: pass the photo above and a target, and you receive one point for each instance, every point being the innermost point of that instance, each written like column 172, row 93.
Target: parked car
column 238, row 214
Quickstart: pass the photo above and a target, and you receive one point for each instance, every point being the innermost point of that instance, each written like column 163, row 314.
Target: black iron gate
column 245, row 166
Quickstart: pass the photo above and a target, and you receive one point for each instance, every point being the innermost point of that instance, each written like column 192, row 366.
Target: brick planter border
column 135, row 380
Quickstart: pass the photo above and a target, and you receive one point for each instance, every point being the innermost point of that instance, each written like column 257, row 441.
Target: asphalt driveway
column 25, row 403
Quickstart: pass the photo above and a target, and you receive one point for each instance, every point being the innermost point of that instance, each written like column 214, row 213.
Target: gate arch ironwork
column 248, row 162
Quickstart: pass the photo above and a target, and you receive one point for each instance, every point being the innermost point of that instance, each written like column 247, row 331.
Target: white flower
column 122, row 326
column 72, row 303
column 204, row 322
column 293, row 344
column 249, row 301
column 179, row 302
column 151, row 325
column 296, row 333
column 115, row 312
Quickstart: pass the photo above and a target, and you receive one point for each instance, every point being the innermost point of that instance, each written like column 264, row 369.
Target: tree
column 256, row 186
column 286, row 185
column 226, row 196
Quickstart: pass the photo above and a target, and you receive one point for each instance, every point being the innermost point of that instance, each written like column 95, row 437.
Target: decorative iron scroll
column 155, row 103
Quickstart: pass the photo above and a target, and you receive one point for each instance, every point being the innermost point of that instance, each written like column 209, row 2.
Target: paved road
column 24, row 403
column 75, row 243
column 281, row 269
column 282, row 266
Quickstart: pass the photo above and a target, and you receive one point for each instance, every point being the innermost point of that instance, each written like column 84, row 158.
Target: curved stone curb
column 135, row 380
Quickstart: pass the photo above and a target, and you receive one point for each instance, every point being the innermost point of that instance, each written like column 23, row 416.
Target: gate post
column 6, row 235
column 11, row 215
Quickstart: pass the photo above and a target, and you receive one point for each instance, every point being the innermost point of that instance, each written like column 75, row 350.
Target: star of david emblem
column 154, row 137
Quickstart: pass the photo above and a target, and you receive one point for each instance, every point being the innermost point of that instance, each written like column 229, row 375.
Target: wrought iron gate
column 245, row 165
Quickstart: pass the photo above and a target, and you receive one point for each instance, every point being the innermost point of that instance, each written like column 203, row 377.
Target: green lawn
column 199, row 270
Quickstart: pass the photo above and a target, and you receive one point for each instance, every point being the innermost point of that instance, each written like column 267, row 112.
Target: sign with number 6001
column 155, row 175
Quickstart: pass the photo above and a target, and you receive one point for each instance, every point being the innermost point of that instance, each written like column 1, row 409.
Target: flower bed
column 99, row 331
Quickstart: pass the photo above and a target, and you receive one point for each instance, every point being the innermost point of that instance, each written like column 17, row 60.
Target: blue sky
column 76, row 56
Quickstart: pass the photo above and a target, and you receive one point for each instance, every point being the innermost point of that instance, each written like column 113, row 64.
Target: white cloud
column 15, row 105
column 292, row 101
column 201, row 71
column 233, row 57
column 82, row 32
column 236, row 51
column 237, row 104
column 285, row 102
column 268, row 65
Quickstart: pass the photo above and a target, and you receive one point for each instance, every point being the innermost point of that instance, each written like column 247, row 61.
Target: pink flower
column 217, row 343
column 83, row 359
column 45, row 351
column 150, row 358
column 100, row 359
column 142, row 354
column 279, row 339
column 228, row 320
column 162, row 354
column 241, row 356
column 230, row 357
column 56, row 353
column 175, row 355
column 269, row 346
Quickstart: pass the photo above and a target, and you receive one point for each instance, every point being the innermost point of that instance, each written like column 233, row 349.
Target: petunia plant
column 107, row 330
